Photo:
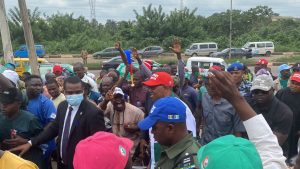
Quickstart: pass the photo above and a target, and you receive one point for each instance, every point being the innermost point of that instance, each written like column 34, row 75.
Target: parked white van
column 204, row 63
column 202, row 49
column 260, row 48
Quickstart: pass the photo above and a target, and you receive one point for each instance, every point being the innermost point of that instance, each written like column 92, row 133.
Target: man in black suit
column 76, row 120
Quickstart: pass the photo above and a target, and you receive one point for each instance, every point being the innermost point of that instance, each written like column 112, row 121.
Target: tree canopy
column 64, row 33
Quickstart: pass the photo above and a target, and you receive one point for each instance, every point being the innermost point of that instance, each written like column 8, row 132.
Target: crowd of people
column 162, row 118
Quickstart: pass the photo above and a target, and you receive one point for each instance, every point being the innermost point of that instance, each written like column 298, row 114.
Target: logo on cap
column 154, row 76
column 235, row 68
column 122, row 150
column 205, row 162
column 171, row 117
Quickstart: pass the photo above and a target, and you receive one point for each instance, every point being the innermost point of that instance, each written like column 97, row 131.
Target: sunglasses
column 256, row 92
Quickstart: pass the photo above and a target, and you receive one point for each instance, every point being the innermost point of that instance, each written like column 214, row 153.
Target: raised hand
column 224, row 84
column 176, row 47
column 134, row 53
column 118, row 46
column 226, row 87
column 109, row 95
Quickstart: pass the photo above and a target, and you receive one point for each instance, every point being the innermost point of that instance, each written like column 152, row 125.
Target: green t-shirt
column 27, row 126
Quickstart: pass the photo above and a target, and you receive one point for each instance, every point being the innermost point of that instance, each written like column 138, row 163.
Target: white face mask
column 74, row 99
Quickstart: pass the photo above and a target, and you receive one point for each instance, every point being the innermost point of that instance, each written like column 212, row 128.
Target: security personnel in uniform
column 167, row 119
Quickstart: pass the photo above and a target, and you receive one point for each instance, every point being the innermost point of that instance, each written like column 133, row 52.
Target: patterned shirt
column 245, row 88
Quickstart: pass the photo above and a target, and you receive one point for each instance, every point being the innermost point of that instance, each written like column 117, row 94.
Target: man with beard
column 42, row 107
column 278, row 115
column 124, row 117
column 291, row 96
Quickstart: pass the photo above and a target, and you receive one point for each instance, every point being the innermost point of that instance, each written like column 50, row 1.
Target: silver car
column 151, row 51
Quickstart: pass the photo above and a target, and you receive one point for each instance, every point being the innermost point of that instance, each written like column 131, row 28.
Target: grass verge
column 288, row 59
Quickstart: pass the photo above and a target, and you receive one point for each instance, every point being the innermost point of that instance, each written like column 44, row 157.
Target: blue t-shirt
column 44, row 109
column 95, row 96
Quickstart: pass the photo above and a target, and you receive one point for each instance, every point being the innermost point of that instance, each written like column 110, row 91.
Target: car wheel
column 194, row 55
column 268, row 53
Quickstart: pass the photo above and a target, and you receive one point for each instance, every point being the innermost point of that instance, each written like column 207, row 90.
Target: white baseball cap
column 118, row 91
column 12, row 76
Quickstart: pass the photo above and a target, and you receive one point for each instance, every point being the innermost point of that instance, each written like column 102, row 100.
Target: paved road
column 69, row 59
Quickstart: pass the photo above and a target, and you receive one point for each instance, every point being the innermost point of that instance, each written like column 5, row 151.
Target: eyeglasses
column 256, row 92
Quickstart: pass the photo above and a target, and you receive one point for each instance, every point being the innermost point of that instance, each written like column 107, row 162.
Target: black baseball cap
column 10, row 95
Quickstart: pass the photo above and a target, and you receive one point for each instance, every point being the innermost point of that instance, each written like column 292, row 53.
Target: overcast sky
column 123, row 9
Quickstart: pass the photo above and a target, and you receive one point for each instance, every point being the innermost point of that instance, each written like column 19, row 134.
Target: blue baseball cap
column 10, row 66
column 284, row 67
column 168, row 109
column 235, row 67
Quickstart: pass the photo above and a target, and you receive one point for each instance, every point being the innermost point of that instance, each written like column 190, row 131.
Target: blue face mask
column 74, row 99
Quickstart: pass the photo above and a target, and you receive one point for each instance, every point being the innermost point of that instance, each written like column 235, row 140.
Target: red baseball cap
column 218, row 68
column 102, row 151
column 57, row 68
column 262, row 62
column 296, row 77
column 160, row 78
column 148, row 64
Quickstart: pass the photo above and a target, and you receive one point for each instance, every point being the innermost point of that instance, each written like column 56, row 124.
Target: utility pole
column 92, row 8
column 181, row 5
column 230, row 30
column 28, row 38
column 5, row 35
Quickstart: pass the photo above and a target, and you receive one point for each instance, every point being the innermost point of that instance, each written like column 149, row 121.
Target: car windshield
column 225, row 50
column 246, row 45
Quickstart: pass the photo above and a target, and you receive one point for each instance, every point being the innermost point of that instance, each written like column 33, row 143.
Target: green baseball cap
column 229, row 152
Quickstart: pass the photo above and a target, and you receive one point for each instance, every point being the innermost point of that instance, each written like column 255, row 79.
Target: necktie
column 65, row 136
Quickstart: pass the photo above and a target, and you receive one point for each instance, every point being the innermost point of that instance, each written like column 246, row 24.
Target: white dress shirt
column 73, row 113
column 266, row 143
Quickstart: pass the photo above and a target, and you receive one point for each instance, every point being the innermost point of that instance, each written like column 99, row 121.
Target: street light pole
column 230, row 30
